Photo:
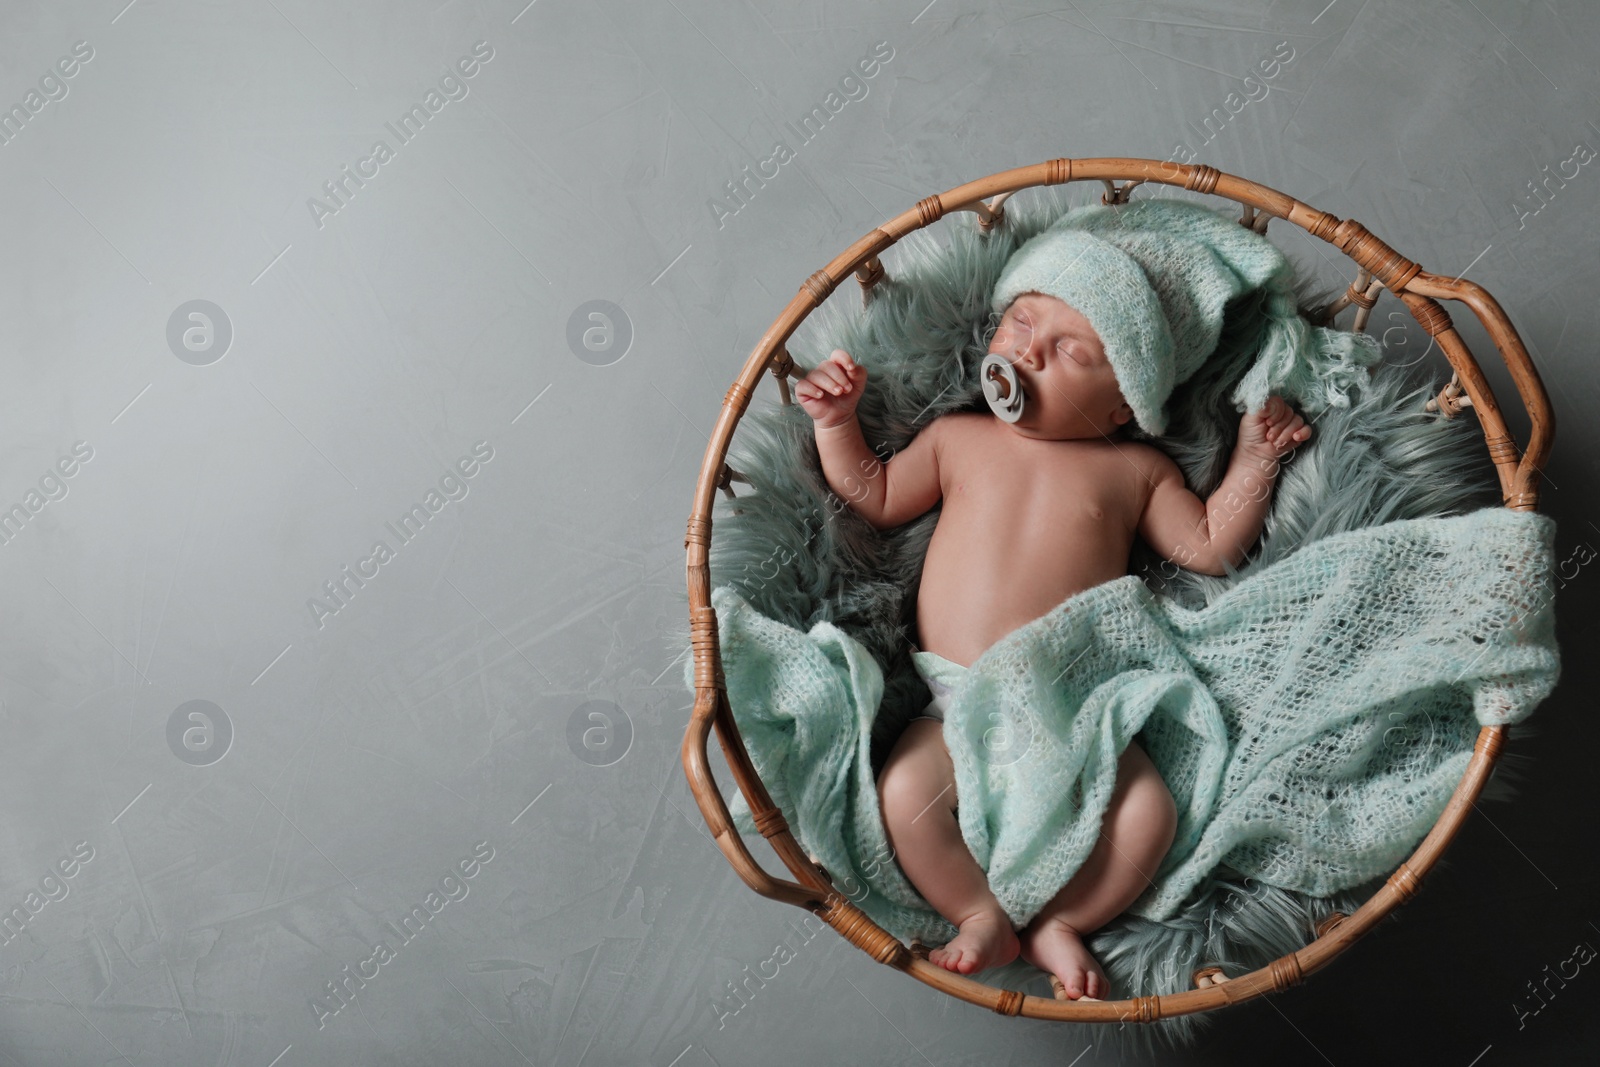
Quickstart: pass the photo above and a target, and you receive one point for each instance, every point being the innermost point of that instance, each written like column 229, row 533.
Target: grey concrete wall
column 242, row 345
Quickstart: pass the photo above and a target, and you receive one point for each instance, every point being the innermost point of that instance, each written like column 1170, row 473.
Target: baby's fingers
column 1277, row 414
column 1292, row 434
column 830, row 377
column 853, row 371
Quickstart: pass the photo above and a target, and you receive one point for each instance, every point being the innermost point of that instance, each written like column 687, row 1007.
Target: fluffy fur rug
column 798, row 554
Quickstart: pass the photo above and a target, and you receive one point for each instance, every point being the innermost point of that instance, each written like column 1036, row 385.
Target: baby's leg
column 1137, row 830
column 917, row 792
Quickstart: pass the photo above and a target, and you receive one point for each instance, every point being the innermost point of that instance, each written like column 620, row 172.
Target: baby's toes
column 1073, row 979
column 1095, row 986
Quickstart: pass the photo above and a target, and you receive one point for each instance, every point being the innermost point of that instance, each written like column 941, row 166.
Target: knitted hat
column 1152, row 276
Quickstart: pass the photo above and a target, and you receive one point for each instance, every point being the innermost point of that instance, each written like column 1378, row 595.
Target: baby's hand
column 829, row 394
column 1273, row 430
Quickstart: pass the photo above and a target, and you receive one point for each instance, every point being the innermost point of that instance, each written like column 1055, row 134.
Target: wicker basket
column 1378, row 266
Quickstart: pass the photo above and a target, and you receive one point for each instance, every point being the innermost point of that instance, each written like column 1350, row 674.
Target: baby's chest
column 1058, row 496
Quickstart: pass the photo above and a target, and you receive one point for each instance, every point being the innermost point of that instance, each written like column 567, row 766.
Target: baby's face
column 1069, row 387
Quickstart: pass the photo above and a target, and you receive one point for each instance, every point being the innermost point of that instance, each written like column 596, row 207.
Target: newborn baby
column 1033, row 512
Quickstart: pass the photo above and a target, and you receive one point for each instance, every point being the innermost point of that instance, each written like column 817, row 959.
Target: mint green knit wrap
column 1311, row 722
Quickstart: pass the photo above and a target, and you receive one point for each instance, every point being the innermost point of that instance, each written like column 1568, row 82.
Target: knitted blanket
column 1311, row 721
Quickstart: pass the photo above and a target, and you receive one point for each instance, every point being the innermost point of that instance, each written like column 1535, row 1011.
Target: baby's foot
column 985, row 940
column 1056, row 947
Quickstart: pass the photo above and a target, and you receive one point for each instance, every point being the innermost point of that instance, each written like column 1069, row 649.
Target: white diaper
column 940, row 702
column 926, row 664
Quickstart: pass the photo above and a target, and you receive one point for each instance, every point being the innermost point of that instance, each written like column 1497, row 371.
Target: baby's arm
column 885, row 494
column 1202, row 536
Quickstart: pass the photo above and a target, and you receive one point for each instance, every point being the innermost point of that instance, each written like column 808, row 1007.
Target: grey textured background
column 448, row 701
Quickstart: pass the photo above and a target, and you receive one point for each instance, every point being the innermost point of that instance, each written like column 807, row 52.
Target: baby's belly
column 978, row 585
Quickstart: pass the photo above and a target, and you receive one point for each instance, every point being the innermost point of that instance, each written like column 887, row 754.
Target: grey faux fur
column 798, row 554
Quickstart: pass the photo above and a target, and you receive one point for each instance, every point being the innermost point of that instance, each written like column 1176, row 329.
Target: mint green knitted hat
column 1152, row 276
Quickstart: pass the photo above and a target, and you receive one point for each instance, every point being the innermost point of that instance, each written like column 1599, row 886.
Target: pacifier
column 1001, row 387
